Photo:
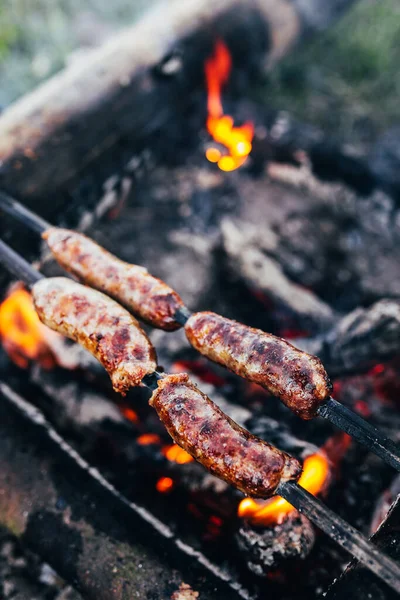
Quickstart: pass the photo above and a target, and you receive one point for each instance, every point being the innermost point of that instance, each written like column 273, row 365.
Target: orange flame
column 176, row 454
column 237, row 140
column 164, row 485
column 315, row 474
column 22, row 333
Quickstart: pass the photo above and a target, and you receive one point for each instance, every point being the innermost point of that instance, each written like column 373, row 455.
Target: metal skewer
column 340, row 531
column 331, row 410
column 365, row 433
column 24, row 215
column 18, row 266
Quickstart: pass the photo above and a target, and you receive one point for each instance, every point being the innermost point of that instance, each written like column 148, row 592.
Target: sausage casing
column 296, row 377
column 100, row 325
column 223, row 447
column 146, row 296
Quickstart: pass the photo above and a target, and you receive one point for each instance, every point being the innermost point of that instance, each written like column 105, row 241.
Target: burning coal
column 164, row 485
column 175, row 453
column 129, row 413
column 236, row 140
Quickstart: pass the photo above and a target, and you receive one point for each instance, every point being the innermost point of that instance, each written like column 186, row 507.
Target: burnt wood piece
column 346, row 249
column 360, row 339
column 249, row 251
column 357, row 582
column 67, row 513
column 137, row 83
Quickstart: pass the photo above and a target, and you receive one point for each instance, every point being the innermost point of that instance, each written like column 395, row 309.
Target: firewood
column 140, row 81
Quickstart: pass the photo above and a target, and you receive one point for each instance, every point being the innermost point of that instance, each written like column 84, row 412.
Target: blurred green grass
column 38, row 36
column 348, row 79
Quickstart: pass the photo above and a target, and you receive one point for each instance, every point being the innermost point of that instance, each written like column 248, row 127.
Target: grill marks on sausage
column 114, row 337
column 223, row 447
column 99, row 324
column 296, row 377
column 146, row 296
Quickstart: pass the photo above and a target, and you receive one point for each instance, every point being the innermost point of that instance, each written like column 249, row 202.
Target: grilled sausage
column 99, row 324
column 147, row 297
column 223, row 447
column 296, row 377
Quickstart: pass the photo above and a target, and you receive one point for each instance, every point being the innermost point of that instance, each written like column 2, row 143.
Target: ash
column 23, row 576
column 272, row 547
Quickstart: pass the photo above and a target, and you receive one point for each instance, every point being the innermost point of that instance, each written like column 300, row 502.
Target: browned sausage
column 99, row 324
column 296, row 377
column 146, row 296
column 218, row 443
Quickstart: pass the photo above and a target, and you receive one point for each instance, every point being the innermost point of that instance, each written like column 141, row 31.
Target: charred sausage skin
column 223, row 447
column 147, row 297
column 296, row 377
column 99, row 324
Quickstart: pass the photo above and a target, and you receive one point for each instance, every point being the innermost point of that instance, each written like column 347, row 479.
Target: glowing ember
column 377, row 369
column 148, row 438
column 176, row 454
column 164, row 485
column 129, row 413
column 237, row 140
column 313, row 478
column 22, row 334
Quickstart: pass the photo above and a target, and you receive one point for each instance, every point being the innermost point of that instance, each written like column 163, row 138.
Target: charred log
column 345, row 249
column 356, row 582
column 248, row 257
column 69, row 515
column 359, row 340
column 128, row 90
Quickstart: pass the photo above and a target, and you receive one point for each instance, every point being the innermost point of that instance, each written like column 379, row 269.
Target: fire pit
column 167, row 164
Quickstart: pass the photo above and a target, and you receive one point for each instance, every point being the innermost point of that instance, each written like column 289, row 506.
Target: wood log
column 107, row 547
column 358, row 340
column 247, row 250
column 138, row 83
